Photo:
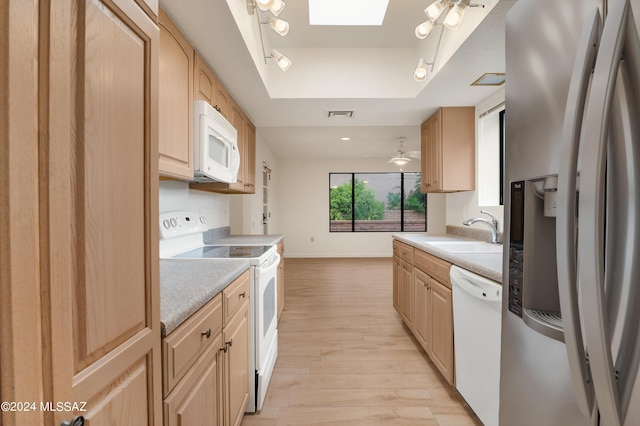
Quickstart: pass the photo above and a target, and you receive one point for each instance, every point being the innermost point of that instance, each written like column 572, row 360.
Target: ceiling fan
column 402, row 157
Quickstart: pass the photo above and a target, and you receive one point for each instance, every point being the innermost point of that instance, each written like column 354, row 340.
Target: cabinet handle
column 223, row 348
column 76, row 421
column 230, row 343
column 207, row 333
column 243, row 294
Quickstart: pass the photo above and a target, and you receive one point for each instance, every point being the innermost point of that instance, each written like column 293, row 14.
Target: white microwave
column 216, row 155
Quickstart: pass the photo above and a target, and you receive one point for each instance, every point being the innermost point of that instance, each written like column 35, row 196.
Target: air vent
column 340, row 114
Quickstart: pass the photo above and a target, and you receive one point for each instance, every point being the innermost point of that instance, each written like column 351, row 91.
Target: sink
column 466, row 246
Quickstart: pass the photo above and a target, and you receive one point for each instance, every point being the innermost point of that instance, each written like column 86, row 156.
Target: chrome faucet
column 493, row 225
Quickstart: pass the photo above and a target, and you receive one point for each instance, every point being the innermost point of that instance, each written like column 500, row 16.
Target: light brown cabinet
column 422, row 296
column 448, row 150
column 80, row 301
column 206, row 362
column 175, row 102
column 209, row 88
column 280, row 279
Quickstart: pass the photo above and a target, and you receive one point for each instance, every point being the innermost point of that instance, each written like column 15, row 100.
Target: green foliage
column 393, row 201
column 366, row 205
column 415, row 201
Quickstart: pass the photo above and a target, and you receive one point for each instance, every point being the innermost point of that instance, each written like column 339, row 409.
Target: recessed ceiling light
column 490, row 79
column 347, row 12
column 345, row 139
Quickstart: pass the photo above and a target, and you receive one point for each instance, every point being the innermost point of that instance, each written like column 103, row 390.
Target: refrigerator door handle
column 591, row 214
column 566, row 216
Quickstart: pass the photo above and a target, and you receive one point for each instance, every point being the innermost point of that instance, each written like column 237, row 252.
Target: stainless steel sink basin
column 466, row 246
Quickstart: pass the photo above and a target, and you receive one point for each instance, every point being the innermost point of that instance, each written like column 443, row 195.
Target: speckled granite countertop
column 265, row 240
column 186, row 285
column 486, row 264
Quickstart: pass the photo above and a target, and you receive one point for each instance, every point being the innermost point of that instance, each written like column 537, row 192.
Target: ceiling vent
column 490, row 79
column 340, row 114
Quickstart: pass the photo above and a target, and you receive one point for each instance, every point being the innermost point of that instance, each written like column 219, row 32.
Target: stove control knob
column 203, row 219
column 166, row 223
column 174, row 222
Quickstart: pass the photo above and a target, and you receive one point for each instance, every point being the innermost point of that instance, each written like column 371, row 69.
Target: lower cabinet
column 213, row 389
column 422, row 297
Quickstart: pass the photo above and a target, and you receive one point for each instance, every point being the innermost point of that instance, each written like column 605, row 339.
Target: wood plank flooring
column 345, row 358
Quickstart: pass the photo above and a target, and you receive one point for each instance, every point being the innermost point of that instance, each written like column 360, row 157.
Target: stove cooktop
column 224, row 252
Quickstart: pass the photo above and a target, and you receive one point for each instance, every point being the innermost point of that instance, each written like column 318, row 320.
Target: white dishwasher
column 477, row 304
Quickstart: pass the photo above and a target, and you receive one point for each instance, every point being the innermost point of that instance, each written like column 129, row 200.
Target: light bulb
column 435, row 9
column 277, row 7
column 455, row 15
column 424, row 29
column 278, row 25
column 282, row 61
column 264, row 4
column 420, row 74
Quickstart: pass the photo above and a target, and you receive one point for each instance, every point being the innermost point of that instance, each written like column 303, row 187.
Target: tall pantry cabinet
column 79, row 300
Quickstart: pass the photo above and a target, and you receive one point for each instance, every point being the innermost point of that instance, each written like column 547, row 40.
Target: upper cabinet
column 448, row 150
column 208, row 88
column 185, row 77
column 176, row 102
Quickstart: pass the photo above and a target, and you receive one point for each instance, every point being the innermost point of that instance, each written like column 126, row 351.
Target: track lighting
column 435, row 9
column 424, row 29
column 278, row 25
column 264, row 5
column 420, row 74
column 282, row 61
column 455, row 15
column 277, row 7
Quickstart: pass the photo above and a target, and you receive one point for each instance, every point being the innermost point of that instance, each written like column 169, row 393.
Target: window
column 376, row 202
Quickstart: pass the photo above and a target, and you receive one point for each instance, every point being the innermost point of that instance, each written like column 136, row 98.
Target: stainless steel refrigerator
column 571, row 316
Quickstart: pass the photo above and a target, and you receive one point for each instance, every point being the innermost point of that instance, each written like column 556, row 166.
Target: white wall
column 176, row 195
column 303, row 206
column 461, row 206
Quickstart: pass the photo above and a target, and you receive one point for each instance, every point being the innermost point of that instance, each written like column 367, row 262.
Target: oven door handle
column 273, row 265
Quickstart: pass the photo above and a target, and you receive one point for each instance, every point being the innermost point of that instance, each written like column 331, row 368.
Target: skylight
column 347, row 12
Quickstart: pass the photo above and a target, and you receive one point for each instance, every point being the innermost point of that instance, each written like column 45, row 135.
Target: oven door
column 266, row 309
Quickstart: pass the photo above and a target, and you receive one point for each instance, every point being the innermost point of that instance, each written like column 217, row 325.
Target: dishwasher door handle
column 483, row 289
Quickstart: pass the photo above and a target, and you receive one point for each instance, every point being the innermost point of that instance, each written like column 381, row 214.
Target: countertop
column 264, row 240
column 488, row 265
column 188, row 284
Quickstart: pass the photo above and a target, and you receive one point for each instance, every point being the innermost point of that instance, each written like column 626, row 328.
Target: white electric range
column 181, row 237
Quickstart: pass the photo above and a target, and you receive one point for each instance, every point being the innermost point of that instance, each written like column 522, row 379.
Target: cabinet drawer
column 183, row 347
column 235, row 295
column 403, row 251
column 434, row 266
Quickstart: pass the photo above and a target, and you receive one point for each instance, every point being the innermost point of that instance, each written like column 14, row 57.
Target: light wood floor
column 345, row 358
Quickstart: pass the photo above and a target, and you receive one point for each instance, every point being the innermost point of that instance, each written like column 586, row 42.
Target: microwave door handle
column 591, row 221
column 565, row 224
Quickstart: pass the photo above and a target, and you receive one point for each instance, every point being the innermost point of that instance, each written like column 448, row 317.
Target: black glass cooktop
column 221, row 252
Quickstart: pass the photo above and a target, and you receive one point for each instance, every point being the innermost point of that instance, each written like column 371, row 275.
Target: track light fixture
column 282, row 61
column 455, row 15
column 424, row 29
column 280, row 26
column 435, row 9
column 420, row 74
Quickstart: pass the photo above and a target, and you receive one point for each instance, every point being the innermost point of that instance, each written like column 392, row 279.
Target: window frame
column 403, row 193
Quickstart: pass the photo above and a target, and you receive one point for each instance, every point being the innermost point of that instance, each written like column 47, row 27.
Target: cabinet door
column 105, row 337
column 204, row 81
column 397, row 284
column 407, row 293
column 250, row 171
column 176, row 102
column 442, row 329
column 236, row 336
column 238, row 122
column 196, row 399
column 222, row 100
column 435, row 152
column 422, row 320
